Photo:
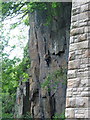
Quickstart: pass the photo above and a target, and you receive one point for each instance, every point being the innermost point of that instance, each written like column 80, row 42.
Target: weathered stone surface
column 81, row 102
column 82, row 37
column 71, row 74
column 70, row 113
column 73, row 82
column 74, row 64
column 22, row 100
column 81, row 113
column 78, row 92
column 51, row 41
column 71, row 56
column 79, row 45
column 77, row 31
column 71, row 102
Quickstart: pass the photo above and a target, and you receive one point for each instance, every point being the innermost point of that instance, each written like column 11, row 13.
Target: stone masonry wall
column 78, row 86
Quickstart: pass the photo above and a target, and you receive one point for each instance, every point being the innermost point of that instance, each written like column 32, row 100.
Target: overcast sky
column 18, row 36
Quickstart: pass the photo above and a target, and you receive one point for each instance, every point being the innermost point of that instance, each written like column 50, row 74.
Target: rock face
column 22, row 106
column 78, row 87
column 48, row 45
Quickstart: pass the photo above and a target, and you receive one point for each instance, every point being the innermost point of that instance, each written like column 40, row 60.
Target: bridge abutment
column 78, row 83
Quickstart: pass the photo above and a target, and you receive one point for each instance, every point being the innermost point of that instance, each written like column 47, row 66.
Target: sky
column 17, row 36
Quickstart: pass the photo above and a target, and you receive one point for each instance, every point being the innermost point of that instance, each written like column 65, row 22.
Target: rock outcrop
column 22, row 106
column 48, row 46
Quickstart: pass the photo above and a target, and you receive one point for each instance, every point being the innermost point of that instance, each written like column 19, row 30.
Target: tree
column 14, row 69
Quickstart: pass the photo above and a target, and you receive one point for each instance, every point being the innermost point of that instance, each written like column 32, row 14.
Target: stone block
column 83, row 15
column 73, row 64
column 74, row 25
column 77, row 3
column 77, row 31
column 73, row 83
column 81, row 102
column 76, row 11
column 81, row 113
column 82, row 37
column 84, row 82
column 71, row 74
column 74, row 18
column 78, row 52
column 87, row 89
column 83, row 23
column 87, row 53
column 69, row 92
column 71, row 56
column 71, row 39
column 70, row 102
column 85, row 94
column 87, row 29
column 70, row 113
column 79, row 46
column 85, row 60
column 84, row 8
column 82, row 74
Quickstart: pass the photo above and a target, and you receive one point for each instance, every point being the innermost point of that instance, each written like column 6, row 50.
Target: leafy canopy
column 23, row 9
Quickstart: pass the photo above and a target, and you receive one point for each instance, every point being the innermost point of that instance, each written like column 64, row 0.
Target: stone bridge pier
column 78, row 83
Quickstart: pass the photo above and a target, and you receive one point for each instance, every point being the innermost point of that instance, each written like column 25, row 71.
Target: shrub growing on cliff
column 59, row 116
column 53, row 79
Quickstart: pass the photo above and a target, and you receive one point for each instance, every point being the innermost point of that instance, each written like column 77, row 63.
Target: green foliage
column 54, row 5
column 15, row 69
column 59, row 116
column 27, row 116
column 14, row 25
column 53, row 79
column 26, row 21
column 9, row 85
column 11, row 9
column 8, row 102
column 9, row 75
column 53, row 10
column 12, row 71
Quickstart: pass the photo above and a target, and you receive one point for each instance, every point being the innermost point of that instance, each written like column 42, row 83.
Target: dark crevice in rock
column 45, row 45
column 52, row 104
column 35, row 34
column 60, row 53
column 48, row 58
column 39, row 58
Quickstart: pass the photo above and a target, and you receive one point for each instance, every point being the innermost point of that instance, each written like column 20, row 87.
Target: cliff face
column 45, row 93
column 48, row 45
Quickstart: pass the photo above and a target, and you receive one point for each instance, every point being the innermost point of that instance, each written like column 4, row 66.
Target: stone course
column 78, row 83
